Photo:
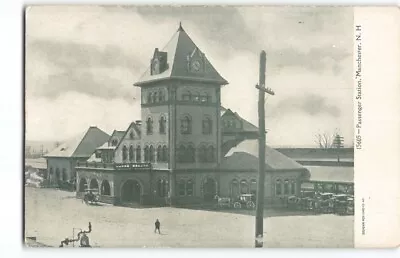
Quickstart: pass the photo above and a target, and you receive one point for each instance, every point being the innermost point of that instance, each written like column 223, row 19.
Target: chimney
column 138, row 122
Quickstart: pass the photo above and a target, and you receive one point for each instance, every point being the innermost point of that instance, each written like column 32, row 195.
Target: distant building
column 61, row 161
column 187, row 149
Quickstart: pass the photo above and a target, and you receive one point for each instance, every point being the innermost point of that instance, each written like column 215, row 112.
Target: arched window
column 235, row 188
column 211, row 154
column 149, row 125
column 191, row 154
column 161, row 96
column 162, row 187
column 293, row 187
column 138, row 154
column 149, row 98
column 278, row 187
column 202, row 153
column 114, row 142
column 146, row 154
column 186, row 96
column 159, row 154
column 162, row 124
column 244, row 187
column 186, row 125
column 181, row 154
column 189, row 188
column 207, row 125
column 131, row 154
column 164, row 153
column 253, row 186
column 131, row 135
column 155, row 97
column 105, row 188
column 151, row 153
column 181, row 188
column 124, row 153
column 51, row 171
column 286, row 187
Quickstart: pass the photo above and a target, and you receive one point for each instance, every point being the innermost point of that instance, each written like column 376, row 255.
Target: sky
column 81, row 63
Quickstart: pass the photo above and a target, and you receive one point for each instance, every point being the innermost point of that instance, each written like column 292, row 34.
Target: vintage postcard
column 210, row 126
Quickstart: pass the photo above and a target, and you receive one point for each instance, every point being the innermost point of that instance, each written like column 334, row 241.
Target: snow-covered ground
column 51, row 215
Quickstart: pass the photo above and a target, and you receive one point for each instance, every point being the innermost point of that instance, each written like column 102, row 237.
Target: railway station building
column 186, row 148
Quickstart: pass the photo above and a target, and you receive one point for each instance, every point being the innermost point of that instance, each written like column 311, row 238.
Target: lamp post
column 261, row 150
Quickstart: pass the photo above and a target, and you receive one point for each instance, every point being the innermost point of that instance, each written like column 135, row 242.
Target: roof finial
column 180, row 27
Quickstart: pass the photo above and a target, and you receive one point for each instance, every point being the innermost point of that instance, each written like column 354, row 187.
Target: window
column 190, row 154
column 105, row 188
column 162, row 187
column 124, row 153
column 181, row 154
column 64, row 175
column 186, row 125
column 51, row 171
column 151, row 154
column 293, row 187
column 98, row 154
column 211, row 154
column 131, row 135
column 253, row 186
column 114, row 142
column 131, row 155
column 146, row 154
column 207, row 125
column 278, row 187
column 196, row 97
column 164, row 153
column 186, row 96
column 57, row 173
column 162, row 123
column 235, row 188
column 149, row 125
column 161, row 97
column 181, row 188
column 138, row 154
column 149, row 98
column 244, row 187
column 202, row 153
column 204, row 98
column 159, row 154
column 189, row 188
column 286, row 187
column 155, row 97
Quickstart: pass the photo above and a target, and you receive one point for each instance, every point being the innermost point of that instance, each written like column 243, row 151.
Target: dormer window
column 98, row 154
column 131, row 135
column 114, row 142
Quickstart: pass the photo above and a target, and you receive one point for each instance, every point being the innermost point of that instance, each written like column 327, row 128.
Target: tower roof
column 179, row 50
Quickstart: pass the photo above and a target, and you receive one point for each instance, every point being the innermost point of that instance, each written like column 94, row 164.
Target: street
column 51, row 215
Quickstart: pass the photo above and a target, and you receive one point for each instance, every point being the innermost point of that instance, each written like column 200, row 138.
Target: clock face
column 196, row 66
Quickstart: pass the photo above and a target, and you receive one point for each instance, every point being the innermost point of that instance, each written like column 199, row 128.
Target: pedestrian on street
column 157, row 224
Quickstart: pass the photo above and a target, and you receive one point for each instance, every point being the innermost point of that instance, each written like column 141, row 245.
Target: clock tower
column 180, row 108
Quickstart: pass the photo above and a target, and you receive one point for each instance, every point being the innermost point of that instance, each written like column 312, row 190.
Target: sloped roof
column 83, row 145
column 331, row 174
column 247, row 126
column 118, row 134
column 131, row 125
column 178, row 49
column 245, row 157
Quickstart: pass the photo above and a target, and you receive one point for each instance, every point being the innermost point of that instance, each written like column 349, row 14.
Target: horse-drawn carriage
column 242, row 201
column 91, row 196
column 324, row 203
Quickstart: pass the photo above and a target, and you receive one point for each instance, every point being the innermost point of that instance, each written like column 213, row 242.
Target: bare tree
column 326, row 140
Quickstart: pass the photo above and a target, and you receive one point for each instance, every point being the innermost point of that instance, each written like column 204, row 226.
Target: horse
column 222, row 201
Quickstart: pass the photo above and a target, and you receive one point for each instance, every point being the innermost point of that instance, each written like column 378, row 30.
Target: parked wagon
column 91, row 196
column 324, row 203
column 245, row 201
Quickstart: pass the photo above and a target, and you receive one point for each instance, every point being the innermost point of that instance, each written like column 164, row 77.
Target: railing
column 117, row 166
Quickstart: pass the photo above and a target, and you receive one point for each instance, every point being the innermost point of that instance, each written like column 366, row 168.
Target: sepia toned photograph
column 189, row 126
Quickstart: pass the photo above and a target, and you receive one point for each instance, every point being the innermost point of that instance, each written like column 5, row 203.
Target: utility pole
column 338, row 144
column 261, row 150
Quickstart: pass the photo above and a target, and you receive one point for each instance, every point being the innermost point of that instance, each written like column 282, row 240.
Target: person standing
column 158, row 225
